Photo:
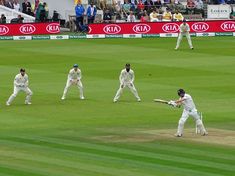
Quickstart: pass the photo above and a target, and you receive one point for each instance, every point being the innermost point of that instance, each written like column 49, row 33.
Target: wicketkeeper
column 184, row 30
column 21, row 83
column 74, row 78
column 189, row 110
column 126, row 79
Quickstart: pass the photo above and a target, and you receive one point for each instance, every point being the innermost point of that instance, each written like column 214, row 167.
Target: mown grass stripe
column 145, row 159
column 106, row 161
column 17, row 172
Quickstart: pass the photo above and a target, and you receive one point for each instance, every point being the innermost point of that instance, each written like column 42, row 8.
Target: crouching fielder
column 21, row 83
column 126, row 79
column 74, row 78
column 184, row 30
column 189, row 110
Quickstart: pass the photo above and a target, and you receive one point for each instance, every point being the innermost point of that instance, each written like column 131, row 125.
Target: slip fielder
column 74, row 78
column 126, row 79
column 184, row 30
column 189, row 110
column 21, row 83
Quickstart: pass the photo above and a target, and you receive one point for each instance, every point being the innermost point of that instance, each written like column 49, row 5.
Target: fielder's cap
column 75, row 65
column 22, row 70
column 128, row 65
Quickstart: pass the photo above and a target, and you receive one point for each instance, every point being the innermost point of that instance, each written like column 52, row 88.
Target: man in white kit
column 21, row 83
column 189, row 110
column 74, row 78
column 184, row 30
column 126, row 79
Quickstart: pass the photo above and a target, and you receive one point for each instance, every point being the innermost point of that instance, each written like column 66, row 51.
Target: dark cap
column 22, row 70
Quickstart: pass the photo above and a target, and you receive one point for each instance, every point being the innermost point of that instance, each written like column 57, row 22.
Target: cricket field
column 96, row 137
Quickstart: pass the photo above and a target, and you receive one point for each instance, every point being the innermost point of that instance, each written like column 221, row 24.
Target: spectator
column 2, row 2
column 9, row 4
column 158, row 4
column 131, row 17
column 190, row 7
column 167, row 16
column 91, row 13
column 118, row 10
column 107, row 16
column 148, row 4
column 41, row 13
column 178, row 16
column 140, row 6
column 79, row 9
column 144, row 18
column 16, row 5
column 154, row 16
column 3, row 19
column 24, row 6
column 221, row 2
column 19, row 19
column 126, row 8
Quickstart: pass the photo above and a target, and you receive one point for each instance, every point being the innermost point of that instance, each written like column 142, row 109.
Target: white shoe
column 178, row 135
column 115, row 101
column 62, row 98
column 176, row 48
column 205, row 133
column 82, row 98
column 192, row 48
column 139, row 100
column 28, row 103
column 8, row 104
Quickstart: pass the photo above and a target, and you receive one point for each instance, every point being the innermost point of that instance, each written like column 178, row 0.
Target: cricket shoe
column 115, row 101
column 139, row 100
column 8, row 104
column 178, row 135
column 205, row 133
column 63, row 98
column 192, row 48
column 82, row 98
column 176, row 48
column 28, row 103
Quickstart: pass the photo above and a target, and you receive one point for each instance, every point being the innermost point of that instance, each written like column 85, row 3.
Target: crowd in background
column 39, row 10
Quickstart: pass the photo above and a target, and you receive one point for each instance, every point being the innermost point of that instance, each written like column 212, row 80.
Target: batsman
column 189, row 110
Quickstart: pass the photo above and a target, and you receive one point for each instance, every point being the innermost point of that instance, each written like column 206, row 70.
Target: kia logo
column 27, row 29
column 3, row 30
column 200, row 27
column 141, row 28
column 228, row 26
column 112, row 29
column 53, row 28
column 170, row 27
column 89, row 29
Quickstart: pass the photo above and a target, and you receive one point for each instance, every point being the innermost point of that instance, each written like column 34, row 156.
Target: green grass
column 96, row 137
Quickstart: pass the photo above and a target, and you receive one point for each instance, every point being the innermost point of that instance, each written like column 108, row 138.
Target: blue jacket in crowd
column 89, row 11
column 79, row 9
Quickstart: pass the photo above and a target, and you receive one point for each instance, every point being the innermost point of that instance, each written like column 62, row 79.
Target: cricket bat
column 161, row 101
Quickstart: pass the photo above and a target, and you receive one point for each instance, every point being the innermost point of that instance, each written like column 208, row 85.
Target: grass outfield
column 97, row 137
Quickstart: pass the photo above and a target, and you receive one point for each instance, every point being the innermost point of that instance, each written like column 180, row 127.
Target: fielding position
column 74, row 78
column 21, row 83
column 126, row 79
column 189, row 110
column 184, row 30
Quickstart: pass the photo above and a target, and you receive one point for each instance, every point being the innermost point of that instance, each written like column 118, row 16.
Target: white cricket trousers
column 196, row 118
column 78, row 84
column 132, row 89
column 28, row 92
column 181, row 34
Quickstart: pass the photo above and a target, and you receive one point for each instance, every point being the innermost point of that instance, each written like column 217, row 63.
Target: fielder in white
column 74, row 78
column 184, row 30
column 21, row 83
column 189, row 110
column 126, row 79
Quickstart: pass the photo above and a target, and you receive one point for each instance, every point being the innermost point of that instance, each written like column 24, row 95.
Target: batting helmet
column 180, row 92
